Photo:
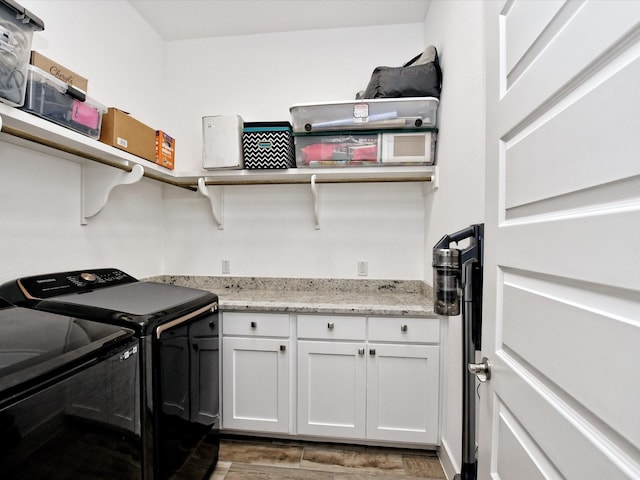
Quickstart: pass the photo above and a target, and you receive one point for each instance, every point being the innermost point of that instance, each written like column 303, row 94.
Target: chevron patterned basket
column 268, row 145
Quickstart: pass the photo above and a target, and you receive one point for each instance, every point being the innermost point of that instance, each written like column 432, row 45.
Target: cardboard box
column 120, row 130
column 61, row 73
column 165, row 150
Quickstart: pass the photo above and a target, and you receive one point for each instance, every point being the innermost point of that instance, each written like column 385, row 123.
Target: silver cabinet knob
column 403, row 328
column 372, row 351
column 254, row 324
column 361, row 351
column 330, row 325
column 481, row 370
column 283, row 348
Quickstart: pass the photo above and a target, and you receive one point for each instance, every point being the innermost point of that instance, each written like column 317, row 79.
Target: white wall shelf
column 22, row 128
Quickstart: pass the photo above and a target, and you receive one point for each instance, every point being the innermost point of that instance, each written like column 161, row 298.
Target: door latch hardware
column 481, row 370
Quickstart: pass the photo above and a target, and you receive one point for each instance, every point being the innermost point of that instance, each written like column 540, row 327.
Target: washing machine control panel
column 64, row 283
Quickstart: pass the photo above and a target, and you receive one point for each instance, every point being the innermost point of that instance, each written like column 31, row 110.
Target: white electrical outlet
column 363, row 268
column 226, row 267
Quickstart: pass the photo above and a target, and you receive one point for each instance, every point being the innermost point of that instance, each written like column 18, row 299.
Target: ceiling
column 186, row 19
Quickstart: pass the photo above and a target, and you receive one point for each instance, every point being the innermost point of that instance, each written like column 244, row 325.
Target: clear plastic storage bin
column 54, row 100
column 370, row 114
column 383, row 148
column 337, row 150
column 16, row 33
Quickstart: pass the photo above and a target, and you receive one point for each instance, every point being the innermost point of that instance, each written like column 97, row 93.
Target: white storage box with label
column 412, row 148
column 222, row 142
column 16, row 32
column 59, row 102
column 370, row 114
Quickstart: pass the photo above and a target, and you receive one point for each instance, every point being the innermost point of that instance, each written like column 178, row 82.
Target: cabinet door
column 402, row 393
column 255, row 384
column 331, row 389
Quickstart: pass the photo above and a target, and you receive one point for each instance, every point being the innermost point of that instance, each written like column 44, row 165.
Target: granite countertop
column 306, row 295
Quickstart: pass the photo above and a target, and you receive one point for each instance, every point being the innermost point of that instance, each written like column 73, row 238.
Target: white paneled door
column 562, row 234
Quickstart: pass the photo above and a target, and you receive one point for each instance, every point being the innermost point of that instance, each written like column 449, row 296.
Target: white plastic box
column 410, row 148
column 370, row 114
column 222, row 142
column 53, row 99
column 16, row 33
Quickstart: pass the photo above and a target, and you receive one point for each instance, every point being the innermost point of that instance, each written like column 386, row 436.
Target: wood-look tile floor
column 266, row 459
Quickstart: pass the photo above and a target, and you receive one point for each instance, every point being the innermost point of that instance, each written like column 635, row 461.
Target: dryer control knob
column 88, row 277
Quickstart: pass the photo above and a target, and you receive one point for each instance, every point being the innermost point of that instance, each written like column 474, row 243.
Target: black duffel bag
column 419, row 77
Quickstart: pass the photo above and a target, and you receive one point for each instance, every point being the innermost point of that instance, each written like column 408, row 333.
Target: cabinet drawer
column 255, row 324
column 328, row 327
column 402, row 329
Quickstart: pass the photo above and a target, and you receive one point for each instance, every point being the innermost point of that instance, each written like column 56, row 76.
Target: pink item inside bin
column 365, row 153
column 85, row 114
column 317, row 152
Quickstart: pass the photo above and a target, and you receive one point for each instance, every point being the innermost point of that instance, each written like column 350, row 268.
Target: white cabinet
column 256, row 366
column 402, row 393
column 331, row 389
column 375, row 378
column 403, row 372
column 331, row 376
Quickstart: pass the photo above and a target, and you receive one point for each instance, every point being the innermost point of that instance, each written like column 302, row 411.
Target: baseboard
column 450, row 467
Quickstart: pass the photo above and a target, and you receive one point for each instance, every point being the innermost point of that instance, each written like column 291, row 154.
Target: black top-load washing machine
column 68, row 398
column 176, row 329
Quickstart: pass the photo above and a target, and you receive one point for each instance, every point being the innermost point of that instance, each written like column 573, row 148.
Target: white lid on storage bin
column 366, row 114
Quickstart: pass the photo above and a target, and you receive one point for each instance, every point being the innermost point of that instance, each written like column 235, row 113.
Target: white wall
column 269, row 230
column 260, row 76
column 455, row 28
column 110, row 44
column 152, row 229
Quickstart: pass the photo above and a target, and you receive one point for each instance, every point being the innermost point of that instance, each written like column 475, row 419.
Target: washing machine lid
column 36, row 347
column 107, row 295
column 141, row 306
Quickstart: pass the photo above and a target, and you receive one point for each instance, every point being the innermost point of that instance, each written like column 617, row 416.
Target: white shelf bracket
column 316, row 202
column 429, row 187
column 97, row 184
column 215, row 195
